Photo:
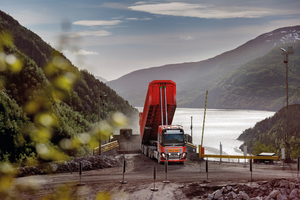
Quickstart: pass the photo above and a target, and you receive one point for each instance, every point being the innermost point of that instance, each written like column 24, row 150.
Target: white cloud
column 97, row 22
column 100, row 33
column 84, row 52
column 80, row 52
column 200, row 10
column 135, row 19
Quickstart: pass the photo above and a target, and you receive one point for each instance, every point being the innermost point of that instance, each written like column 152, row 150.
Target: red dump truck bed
column 161, row 97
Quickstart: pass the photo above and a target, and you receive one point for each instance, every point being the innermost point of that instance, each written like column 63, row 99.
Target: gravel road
column 139, row 177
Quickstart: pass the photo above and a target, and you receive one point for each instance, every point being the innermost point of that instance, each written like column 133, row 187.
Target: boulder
column 294, row 194
column 217, row 194
column 274, row 194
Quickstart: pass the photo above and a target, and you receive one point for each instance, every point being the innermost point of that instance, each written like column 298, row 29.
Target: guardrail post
column 124, row 166
column 154, row 177
column 298, row 168
column 283, row 156
column 166, row 171
column 80, row 173
column 206, row 169
column 251, row 168
column 220, row 152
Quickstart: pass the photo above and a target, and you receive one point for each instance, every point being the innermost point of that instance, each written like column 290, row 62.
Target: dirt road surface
column 139, row 176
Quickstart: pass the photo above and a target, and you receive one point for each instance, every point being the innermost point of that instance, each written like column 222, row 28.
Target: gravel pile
column 88, row 163
column 277, row 189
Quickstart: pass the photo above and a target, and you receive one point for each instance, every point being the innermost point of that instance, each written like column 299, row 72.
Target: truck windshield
column 173, row 138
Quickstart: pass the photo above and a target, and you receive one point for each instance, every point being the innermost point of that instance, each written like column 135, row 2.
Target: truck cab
column 170, row 144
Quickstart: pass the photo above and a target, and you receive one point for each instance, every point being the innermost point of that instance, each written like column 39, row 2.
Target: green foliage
column 13, row 126
column 60, row 101
column 259, row 148
column 271, row 133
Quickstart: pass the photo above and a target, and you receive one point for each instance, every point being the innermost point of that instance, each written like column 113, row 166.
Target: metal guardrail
column 238, row 157
column 191, row 145
column 108, row 146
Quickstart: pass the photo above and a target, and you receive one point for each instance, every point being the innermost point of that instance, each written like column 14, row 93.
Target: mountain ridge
column 194, row 78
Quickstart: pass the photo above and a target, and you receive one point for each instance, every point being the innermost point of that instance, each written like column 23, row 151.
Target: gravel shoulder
column 187, row 181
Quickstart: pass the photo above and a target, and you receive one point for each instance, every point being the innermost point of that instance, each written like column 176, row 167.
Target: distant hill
column 193, row 79
column 260, row 83
column 269, row 135
column 76, row 111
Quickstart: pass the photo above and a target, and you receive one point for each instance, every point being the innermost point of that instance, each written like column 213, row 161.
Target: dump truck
column 159, row 138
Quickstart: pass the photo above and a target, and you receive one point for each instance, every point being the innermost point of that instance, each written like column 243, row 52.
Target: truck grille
column 174, row 156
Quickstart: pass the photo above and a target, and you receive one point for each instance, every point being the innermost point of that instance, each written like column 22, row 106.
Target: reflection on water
column 220, row 126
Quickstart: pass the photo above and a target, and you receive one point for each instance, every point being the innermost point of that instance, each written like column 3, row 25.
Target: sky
column 111, row 38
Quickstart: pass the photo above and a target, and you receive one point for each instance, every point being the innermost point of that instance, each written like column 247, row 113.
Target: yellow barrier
column 237, row 156
column 108, row 146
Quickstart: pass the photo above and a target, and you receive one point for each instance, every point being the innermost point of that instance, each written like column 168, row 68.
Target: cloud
column 187, row 37
column 84, row 52
column 97, row 22
column 80, row 52
column 136, row 19
column 100, row 33
column 199, row 10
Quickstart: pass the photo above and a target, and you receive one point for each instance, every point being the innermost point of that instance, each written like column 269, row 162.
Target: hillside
column 193, row 79
column 46, row 84
column 269, row 135
column 261, row 83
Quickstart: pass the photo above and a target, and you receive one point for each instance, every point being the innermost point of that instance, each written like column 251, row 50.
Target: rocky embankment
column 277, row 189
column 88, row 163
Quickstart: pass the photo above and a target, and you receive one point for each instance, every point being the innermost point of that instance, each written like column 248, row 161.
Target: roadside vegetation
column 270, row 135
column 48, row 107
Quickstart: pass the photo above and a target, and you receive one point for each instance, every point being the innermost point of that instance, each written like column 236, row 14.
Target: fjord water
column 220, row 126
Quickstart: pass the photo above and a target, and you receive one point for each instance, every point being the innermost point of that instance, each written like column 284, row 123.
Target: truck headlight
column 163, row 155
column 183, row 155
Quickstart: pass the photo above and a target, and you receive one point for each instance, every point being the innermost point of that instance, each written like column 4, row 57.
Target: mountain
column 37, row 81
column 260, row 83
column 269, row 135
column 194, row 78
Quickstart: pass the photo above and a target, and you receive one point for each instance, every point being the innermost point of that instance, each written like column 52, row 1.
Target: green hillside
column 261, row 83
column 38, row 81
column 269, row 135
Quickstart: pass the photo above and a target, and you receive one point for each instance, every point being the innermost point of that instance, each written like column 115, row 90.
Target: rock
column 292, row 185
column 231, row 195
column 264, row 188
column 244, row 195
column 53, row 167
column 229, row 188
column 217, row 194
column 281, row 197
column 210, row 196
column 283, row 191
column 274, row 194
column 294, row 194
